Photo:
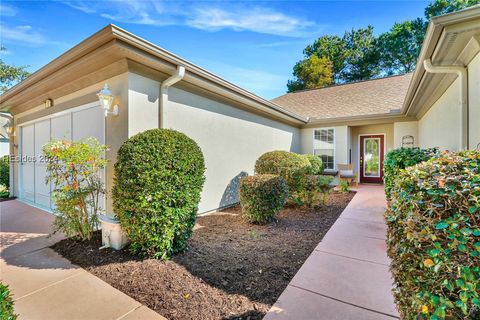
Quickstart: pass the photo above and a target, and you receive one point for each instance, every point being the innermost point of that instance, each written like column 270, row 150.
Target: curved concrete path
column 47, row 286
column 347, row 275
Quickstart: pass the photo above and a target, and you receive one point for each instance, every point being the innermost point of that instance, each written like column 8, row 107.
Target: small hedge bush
column 434, row 238
column 262, row 196
column 401, row 158
column 316, row 164
column 316, row 189
column 5, row 171
column 289, row 165
column 6, row 304
column 159, row 176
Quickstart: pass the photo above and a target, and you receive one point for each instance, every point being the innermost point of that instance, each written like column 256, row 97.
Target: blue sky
column 252, row 44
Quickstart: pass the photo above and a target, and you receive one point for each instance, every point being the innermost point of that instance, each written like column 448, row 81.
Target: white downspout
column 179, row 74
column 462, row 75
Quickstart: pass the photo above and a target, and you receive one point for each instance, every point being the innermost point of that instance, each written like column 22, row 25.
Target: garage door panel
column 89, row 123
column 42, row 189
column 27, row 166
column 62, row 127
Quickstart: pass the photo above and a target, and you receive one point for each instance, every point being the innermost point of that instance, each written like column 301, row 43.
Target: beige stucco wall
column 386, row 129
column 231, row 140
column 440, row 125
column 474, row 101
column 401, row 129
column 143, row 103
column 342, row 142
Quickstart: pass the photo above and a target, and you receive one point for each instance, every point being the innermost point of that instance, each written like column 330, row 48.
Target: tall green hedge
column 6, row 304
column 159, row 176
column 5, row 171
column 434, row 238
column 262, row 196
column 401, row 158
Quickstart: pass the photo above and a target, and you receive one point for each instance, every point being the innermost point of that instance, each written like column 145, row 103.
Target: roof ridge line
column 344, row 84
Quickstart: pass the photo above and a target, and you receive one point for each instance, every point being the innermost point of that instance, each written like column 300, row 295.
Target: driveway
column 347, row 276
column 47, row 286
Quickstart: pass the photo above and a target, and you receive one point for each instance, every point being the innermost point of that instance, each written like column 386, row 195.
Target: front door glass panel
column 371, row 163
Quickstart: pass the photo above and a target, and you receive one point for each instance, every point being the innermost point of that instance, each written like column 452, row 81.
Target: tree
column 332, row 48
column 362, row 56
column 10, row 75
column 400, row 47
column 312, row 72
column 439, row 7
column 359, row 55
column 334, row 59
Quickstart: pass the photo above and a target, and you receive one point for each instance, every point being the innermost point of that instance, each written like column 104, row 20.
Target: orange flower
column 441, row 182
column 428, row 262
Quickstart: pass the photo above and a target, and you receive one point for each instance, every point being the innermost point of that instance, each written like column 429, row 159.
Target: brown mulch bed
column 232, row 270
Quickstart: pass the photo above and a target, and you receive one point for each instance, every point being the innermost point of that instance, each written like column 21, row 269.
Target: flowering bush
column 401, row 158
column 73, row 169
column 434, row 238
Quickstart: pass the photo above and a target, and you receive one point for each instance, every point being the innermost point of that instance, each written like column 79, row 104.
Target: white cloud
column 7, row 11
column 209, row 16
column 24, row 34
column 256, row 19
column 126, row 11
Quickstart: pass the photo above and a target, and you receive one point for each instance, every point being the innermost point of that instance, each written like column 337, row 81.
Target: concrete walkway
column 347, row 275
column 47, row 286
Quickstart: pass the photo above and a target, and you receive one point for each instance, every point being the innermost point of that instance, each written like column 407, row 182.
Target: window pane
column 324, row 146
column 327, row 156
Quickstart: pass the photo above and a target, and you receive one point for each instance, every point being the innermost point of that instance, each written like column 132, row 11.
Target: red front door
column 371, row 158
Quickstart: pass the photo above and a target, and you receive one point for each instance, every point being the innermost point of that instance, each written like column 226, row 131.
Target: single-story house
column 437, row 105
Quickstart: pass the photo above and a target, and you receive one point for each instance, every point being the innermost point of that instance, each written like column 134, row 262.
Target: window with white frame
column 324, row 146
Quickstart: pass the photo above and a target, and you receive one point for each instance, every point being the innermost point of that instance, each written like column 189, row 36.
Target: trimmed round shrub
column 316, row 164
column 289, row 165
column 5, row 171
column 401, row 158
column 434, row 238
column 262, row 196
column 159, row 175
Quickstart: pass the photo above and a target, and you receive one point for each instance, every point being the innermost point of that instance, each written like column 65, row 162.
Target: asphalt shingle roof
column 377, row 96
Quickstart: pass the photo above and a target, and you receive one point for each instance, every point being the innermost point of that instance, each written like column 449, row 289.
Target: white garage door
column 85, row 121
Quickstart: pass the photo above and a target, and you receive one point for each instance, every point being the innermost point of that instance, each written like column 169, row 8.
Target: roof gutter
column 461, row 72
column 167, row 83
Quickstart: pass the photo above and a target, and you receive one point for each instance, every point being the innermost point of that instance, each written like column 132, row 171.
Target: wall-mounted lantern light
column 9, row 129
column 106, row 99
